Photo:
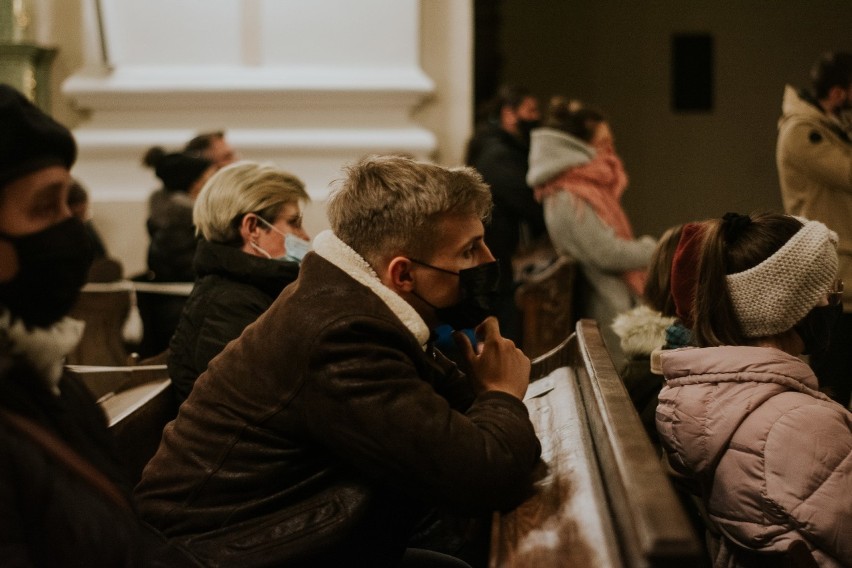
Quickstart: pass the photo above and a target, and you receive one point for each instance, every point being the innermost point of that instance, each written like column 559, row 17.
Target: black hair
column 203, row 141
column 832, row 69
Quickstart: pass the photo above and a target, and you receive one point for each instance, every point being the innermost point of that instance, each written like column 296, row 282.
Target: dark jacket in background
column 503, row 159
column 51, row 515
column 170, row 253
column 172, row 235
column 326, row 388
column 232, row 290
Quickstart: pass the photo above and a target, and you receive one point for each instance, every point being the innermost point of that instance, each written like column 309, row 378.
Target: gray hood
column 552, row 151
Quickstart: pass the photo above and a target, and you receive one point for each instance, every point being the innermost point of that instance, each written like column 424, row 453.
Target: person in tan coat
column 814, row 158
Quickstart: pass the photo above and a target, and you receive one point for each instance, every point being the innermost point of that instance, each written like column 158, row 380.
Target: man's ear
column 398, row 275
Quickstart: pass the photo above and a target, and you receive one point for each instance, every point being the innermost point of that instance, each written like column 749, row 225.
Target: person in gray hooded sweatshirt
column 580, row 179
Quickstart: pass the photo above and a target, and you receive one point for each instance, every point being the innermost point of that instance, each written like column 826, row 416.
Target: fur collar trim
column 641, row 330
column 44, row 348
column 330, row 247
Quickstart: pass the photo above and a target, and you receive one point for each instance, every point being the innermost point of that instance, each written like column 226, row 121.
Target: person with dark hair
column 580, row 179
column 170, row 213
column 741, row 416
column 814, row 158
column 62, row 498
column 172, row 241
column 212, row 146
column 331, row 427
column 499, row 151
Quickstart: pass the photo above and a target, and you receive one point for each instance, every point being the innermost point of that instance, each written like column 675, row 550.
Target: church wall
column 682, row 166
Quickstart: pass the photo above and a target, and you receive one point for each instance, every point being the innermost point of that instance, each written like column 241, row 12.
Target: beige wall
column 446, row 55
column 681, row 166
column 59, row 23
column 445, row 52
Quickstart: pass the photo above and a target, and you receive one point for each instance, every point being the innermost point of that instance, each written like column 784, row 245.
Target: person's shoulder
column 805, row 446
column 500, row 145
column 325, row 292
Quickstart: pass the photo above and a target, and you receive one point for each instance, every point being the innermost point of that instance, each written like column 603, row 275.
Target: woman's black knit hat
column 30, row 139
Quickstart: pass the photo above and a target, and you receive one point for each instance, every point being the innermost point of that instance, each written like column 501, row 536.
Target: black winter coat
column 232, row 290
column 503, row 160
column 51, row 514
column 172, row 234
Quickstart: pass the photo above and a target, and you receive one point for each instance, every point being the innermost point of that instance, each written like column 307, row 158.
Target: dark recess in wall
column 692, row 73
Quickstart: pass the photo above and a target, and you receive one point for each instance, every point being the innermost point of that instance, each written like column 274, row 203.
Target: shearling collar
column 331, row 248
column 44, row 348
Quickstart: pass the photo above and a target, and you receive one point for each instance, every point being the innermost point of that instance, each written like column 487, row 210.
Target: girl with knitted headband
column 741, row 416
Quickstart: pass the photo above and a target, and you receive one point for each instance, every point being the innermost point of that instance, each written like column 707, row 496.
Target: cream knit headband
column 774, row 295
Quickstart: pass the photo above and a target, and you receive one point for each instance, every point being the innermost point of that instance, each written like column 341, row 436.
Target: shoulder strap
column 63, row 454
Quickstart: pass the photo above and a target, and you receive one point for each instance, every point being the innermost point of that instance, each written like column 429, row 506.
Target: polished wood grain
column 601, row 498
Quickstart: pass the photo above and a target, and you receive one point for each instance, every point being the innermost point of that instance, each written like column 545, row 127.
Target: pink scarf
column 600, row 183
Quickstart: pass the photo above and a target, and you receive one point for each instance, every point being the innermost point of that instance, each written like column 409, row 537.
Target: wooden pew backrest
column 138, row 402
column 104, row 308
column 654, row 528
column 546, row 300
column 603, row 498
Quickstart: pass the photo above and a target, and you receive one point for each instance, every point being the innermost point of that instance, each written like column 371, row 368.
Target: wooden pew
column 104, row 304
column 546, row 300
column 602, row 499
column 138, row 402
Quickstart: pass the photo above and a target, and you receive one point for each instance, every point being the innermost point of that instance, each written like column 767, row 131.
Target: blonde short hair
column 240, row 188
column 389, row 205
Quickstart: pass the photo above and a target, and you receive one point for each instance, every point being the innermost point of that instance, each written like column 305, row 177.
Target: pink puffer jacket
column 773, row 455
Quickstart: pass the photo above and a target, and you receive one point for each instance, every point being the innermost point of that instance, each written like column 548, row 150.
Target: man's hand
column 497, row 364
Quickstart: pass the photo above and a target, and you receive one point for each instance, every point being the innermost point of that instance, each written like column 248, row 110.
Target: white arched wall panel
column 290, row 83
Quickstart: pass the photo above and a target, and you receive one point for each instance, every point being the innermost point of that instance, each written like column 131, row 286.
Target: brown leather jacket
column 328, row 386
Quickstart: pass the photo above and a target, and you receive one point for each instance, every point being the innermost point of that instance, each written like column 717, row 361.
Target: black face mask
column 52, row 268
column 527, row 126
column 478, row 287
column 815, row 328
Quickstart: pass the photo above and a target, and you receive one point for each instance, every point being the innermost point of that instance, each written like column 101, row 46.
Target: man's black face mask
column 478, row 293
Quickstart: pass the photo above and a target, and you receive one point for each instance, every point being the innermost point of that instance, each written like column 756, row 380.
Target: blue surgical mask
column 295, row 248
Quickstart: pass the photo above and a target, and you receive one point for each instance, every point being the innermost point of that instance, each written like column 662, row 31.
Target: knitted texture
column 773, row 296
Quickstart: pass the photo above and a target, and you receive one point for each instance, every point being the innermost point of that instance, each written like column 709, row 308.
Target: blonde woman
column 250, row 219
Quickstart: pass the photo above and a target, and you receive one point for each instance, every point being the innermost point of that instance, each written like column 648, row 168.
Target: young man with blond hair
column 328, row 430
